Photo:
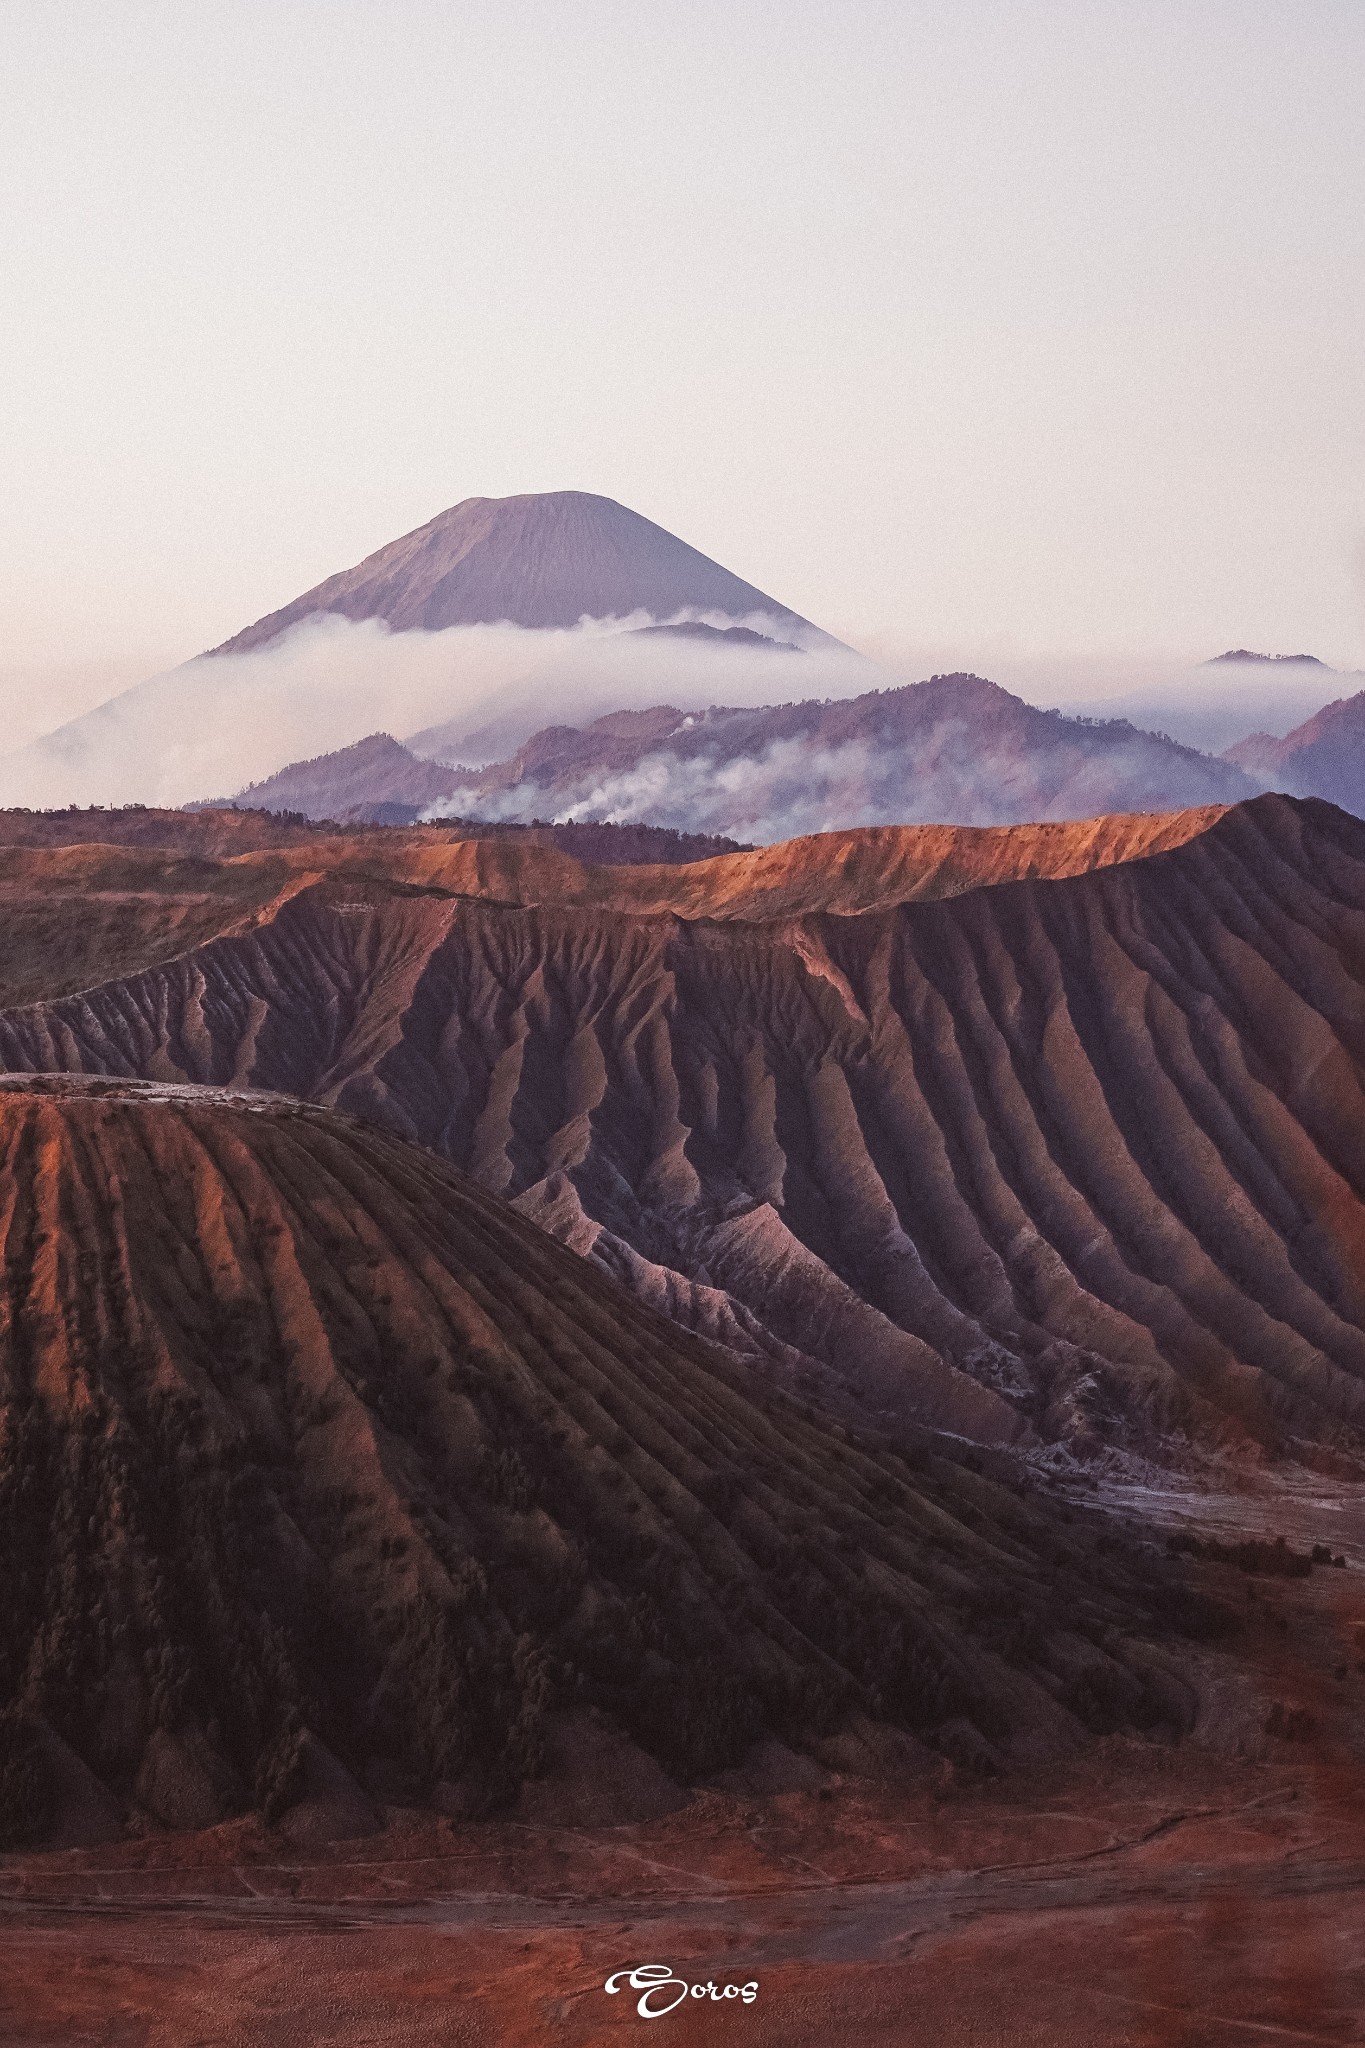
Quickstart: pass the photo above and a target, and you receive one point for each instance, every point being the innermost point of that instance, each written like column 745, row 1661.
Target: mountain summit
column 372, row 658
column 547, row 559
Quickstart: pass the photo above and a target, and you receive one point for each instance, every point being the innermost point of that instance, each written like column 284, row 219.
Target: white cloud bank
column 469, row 693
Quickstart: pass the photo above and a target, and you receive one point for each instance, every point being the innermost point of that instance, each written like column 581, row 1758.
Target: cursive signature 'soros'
column 655, row 1981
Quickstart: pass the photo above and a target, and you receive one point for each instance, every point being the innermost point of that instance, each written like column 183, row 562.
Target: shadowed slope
column 1097, row 1141
column 316, row 1459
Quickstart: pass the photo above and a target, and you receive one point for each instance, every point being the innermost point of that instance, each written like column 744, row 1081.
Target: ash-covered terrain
column 1067, row 1161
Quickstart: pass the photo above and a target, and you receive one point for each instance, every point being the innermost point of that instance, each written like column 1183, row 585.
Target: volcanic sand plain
column 1142, row 1896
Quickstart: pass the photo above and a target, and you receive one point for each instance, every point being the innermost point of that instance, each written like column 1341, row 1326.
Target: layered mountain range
column 1044, row 1137
column 479, row 622
column 559, row 656
column 956, row 749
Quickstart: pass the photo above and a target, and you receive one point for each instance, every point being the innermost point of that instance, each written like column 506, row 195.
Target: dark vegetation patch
column 1274, row 1558
column 219, row 829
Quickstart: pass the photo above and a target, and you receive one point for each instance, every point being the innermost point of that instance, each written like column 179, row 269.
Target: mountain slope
column 953, row 750
column 543, row 560
column 1323, row 757
column 88, row 896
column 375, row 772
column 1095, row 1141
column 319, row 1465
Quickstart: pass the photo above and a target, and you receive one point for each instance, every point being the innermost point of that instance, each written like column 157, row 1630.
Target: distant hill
column 547, row 559
column 956, row 749
column 1245, row 655
column 710, row 636
column 379, row 782
column 348, row 785
column 1213, row 705
column 1325, row 756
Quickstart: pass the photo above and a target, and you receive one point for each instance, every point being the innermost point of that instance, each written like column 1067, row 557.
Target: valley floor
column 1143, row 1897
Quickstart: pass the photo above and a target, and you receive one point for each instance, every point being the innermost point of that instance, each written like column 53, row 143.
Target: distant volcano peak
column 546, row 559
column 1245, row 654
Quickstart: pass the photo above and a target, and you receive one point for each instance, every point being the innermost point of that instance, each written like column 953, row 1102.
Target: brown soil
column 1146, row 1896
column 878, row 865
column 74, row 916
column 94, row 896
column 1094, row 1141
column 325, row 1478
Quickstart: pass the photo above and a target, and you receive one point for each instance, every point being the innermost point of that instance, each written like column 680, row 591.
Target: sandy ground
column 1225, row 1927
column 1142, row 1897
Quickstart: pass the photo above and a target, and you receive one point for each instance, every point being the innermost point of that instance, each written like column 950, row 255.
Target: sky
column 1024, row 337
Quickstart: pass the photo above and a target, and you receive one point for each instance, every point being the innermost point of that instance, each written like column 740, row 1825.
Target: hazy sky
column 974, row 331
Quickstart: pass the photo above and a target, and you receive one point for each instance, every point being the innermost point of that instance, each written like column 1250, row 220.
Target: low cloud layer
column 471, row 693
column 946, row 772
column 1209, row 704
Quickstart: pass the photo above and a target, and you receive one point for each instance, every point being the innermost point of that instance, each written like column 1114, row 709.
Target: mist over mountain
column 505, row 637
column 954, row 749
column 1213, row 705
column 1325, row 756
column 467, row 633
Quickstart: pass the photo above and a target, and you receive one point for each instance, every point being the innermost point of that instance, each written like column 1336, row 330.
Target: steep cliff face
column 323, row 1473
column 1079, row 1157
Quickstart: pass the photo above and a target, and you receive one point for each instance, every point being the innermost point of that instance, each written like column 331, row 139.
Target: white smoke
column 469, row 693
column 798, row 785
column 788, row 789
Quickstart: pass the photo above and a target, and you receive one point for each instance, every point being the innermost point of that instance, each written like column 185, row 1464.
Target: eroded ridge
column 1072, row 1159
